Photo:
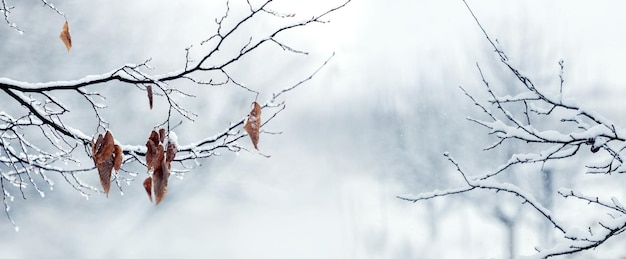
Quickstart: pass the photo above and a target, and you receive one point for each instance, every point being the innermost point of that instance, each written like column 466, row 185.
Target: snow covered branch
column 529, row 118
column 38, row 135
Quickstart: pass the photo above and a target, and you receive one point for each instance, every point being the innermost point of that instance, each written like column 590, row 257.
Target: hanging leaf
column 151, row 154
column 65, row 36
column 104, row 158
column 160, row 176
column 104, row 171
column 95, row 146
column 118, row 158
column 158, row 161
column 105, row 149
column 171, row 153
column 253, row 124
column 149, row 90
column 147, row 184
column 159, row 181
column 162, row 135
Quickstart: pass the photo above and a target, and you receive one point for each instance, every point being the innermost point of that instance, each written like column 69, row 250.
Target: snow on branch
column 37, row 136
column 529, row 118
column 5, row 9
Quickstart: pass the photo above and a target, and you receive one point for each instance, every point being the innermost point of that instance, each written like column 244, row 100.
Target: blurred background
column 371, row 125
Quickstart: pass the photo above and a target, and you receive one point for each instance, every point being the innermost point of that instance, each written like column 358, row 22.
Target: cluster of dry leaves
column 158, row 160
column 107, row 156
column 159, row 156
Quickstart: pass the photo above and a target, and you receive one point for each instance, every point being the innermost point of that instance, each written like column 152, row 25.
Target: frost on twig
column 38, row 137
column 6, row 8
column 523, row 118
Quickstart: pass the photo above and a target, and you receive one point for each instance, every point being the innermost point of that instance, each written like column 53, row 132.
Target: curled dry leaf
column 147, row 184
column 171, row 154
column 151, row 154
column 159, row 181
column 65, row 36
column 95, row 146
column 162, row 135
column 158, row 160
column 104, row 171
column 160, row 176
column 106, row 156
column 118, row 158
column 106, row 149
column 253, row 124
column 149, row 90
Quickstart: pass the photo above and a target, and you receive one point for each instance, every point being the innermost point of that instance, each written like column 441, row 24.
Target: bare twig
column 516, row 119
column 60, row 140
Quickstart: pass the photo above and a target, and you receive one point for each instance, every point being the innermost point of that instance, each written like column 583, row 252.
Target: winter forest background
column 372, row 125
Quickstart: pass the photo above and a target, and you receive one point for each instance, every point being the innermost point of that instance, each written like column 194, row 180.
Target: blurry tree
column 548, row 129
column 38, row 136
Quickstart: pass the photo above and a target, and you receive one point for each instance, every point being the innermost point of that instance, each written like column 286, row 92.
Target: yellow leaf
column 65, row 36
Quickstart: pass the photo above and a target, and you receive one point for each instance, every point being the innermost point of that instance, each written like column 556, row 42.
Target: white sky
column 328, row 191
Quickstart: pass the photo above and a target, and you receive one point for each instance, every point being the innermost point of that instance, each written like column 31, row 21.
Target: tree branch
column 44, row 117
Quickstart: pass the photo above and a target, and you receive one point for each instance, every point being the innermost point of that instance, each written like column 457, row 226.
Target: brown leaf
column 162, row 135
column 160, row 176
column 160, row 183
column 151, row 154
column 104, row 171
column 105, row 149
column 65, row 36
column 147, row 184
column 253, row 124
column 171, row 154
column 118, row 158
column 154, row 136
column 149, row 90
column 95, row 146
column 160, row 162
column 104, row 159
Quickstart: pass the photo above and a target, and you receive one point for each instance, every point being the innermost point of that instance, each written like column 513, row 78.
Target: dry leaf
column 253, row 124
column 151, row 154
column 160, row 176
column 118, row 158
column 159, row 181
column 159, row 161
column 105, row 159
column 147, row 184
column 149, row 90
column 171, row 154
column 105, row 149
column 104, row 171
column 65, row 36
column 95, row 146
column 162, row 135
